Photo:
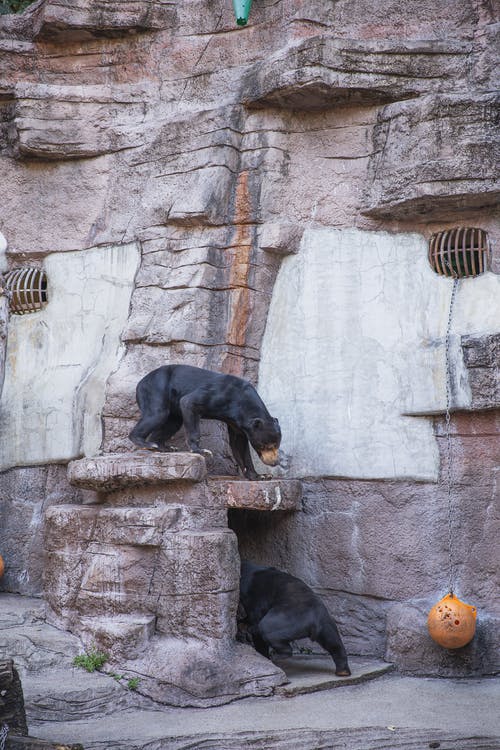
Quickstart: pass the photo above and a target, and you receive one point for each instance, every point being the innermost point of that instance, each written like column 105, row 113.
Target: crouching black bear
column 176, row 395
column 280, row 608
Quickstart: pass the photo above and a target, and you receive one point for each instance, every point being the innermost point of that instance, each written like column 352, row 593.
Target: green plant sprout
column 91, row 661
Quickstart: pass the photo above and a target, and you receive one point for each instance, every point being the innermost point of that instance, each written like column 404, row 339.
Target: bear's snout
column 270, row 456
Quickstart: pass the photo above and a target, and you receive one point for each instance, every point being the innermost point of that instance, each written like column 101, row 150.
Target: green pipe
column 242, row 11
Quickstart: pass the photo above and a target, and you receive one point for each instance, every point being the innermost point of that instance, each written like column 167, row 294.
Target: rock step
column 114, row 471
column 266, row 495
column 395, row 712
column 26, row 638
column 374, row 738
column 73, row 694
column 311, row 673
column 54, row 689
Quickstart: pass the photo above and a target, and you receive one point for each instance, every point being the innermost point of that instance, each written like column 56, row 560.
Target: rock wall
column 379, row 549
column 354, row 350
column 217, row 152
column 59, row 358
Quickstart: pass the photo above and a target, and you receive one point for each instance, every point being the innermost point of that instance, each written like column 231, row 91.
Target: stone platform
column 171, row 472
column 148, row 572
column 101, row 711
column 116, row 470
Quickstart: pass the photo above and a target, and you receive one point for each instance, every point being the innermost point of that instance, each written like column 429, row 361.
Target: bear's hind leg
column 276, row 632
column 329, row 638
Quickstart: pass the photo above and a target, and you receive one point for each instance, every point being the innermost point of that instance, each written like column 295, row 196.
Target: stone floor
column 374, row 709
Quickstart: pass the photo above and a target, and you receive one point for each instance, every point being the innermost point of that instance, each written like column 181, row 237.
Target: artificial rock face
column 149, row 574
column 217, row 159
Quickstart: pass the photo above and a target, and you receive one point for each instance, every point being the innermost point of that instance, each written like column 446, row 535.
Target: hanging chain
column 449, row 473
column 4, row 733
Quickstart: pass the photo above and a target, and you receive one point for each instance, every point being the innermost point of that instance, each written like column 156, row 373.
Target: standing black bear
column 176, row 395
column 280, row 608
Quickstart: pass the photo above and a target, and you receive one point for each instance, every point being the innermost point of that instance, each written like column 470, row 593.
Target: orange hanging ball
column 452, row 623
column 2, row 566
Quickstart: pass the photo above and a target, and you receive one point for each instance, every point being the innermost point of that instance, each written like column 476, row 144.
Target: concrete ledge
column 272, row 494
column 310, row 673
column 425, row 151
column 320, row 73
column 281, row 238
column 116, row 470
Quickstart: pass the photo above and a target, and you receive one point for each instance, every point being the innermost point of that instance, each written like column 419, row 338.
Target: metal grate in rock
column 459, row 252
column 27, row 288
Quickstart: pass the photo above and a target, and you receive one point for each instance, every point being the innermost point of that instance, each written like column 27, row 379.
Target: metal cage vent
column 459, row 252
column 27, row 288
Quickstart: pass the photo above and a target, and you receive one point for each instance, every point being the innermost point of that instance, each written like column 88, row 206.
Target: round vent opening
column 459, row 252
column 28, row 290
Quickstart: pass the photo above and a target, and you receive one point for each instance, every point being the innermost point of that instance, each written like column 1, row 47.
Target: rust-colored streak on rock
column 240, row 303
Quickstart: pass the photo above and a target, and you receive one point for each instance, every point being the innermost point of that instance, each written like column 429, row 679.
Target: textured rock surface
column 101, row 713
column 311, row 673
column 4, row 313
column 113, row 471
column 414, row 170
column 12, row 710
column 54, row 690
column 85, row 19
column 408, row 641
column 264, row 495
column 321, row 73
column 344, row 346
column 123, row 125
column 59, row 358
column 280, row 237
column 25, row 496
column 358, row 716
column 188, row 579
column 352, row 536
column 482, row 357
column 155, row 584
column 358, row 739
column 74, row 122
column 4, row 321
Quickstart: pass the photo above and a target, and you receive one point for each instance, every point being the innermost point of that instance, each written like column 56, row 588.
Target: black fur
column 280, row 608
column 177, row 395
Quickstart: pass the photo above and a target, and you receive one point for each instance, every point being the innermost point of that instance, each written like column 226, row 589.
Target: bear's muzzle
column 269, row 456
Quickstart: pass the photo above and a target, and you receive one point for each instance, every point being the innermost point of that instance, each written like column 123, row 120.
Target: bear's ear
column 257, row 423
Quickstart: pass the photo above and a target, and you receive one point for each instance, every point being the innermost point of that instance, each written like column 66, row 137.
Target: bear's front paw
column 147, row 447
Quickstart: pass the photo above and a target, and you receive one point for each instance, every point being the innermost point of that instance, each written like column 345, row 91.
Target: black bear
column 280, row 608
column 176, row 395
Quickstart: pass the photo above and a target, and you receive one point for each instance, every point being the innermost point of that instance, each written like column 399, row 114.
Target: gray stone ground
column 388, row 711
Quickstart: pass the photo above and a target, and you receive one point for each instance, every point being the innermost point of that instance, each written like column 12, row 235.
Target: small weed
column 133, row 683
column 91, row 660
column 13, row 6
